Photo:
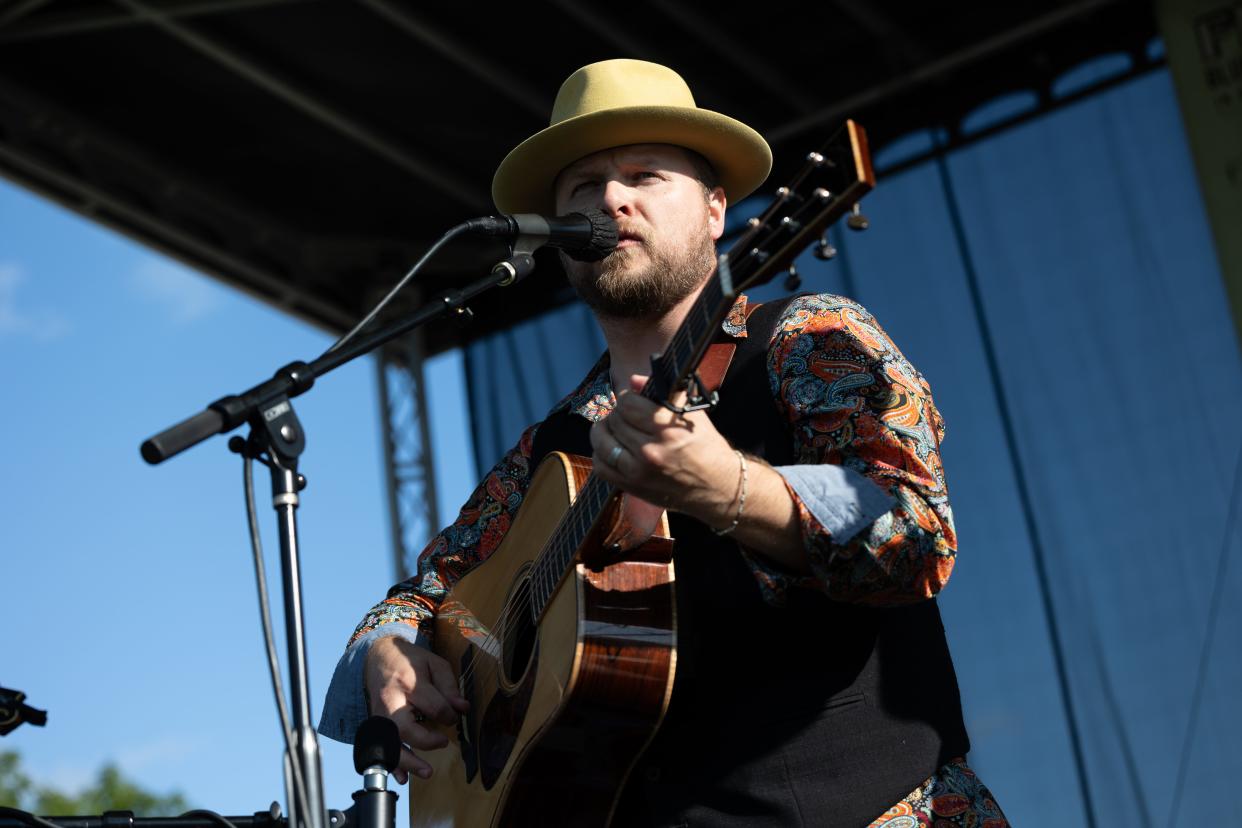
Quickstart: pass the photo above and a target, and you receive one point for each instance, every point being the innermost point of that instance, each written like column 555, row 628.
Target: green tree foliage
column 14, row 785
column 110, row 791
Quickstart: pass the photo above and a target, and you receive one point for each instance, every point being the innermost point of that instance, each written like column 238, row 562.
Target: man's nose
column 618, row 199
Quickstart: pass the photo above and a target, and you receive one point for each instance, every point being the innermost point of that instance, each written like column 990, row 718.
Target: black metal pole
column 285, row 486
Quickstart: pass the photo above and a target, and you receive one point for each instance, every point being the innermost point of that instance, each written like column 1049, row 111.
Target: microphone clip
column 14, row 711
column 517, row 267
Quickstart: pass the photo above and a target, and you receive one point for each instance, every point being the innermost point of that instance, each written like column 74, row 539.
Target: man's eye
column 581, row 186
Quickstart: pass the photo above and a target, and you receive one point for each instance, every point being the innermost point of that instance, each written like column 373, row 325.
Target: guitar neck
column 685, row 350
column 558, row 556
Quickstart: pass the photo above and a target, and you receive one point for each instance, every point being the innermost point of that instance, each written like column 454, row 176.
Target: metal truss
column 409, row 466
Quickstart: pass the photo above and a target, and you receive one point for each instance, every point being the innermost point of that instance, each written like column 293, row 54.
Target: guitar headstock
column 830, row 183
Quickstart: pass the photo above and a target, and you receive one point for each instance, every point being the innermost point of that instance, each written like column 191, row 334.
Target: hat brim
column 524, row 181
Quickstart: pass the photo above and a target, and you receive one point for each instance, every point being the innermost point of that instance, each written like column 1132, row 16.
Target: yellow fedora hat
column 618, row 102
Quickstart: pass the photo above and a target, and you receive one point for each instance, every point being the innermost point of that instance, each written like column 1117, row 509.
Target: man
column 814, row 686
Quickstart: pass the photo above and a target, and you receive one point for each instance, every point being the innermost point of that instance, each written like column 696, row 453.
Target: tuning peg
column 793, row 281
column 857, row 221
column 824, row 249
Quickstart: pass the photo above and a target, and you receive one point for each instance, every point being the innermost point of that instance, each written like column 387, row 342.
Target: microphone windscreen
column 603, row 238
column 376, row 742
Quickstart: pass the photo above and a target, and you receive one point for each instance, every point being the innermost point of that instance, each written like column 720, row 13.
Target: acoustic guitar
column 564, row 640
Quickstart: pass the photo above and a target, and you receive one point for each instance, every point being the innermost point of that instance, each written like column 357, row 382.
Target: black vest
column 818, row 713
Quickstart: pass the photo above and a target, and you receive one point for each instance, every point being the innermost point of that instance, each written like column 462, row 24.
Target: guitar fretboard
column 557, row 558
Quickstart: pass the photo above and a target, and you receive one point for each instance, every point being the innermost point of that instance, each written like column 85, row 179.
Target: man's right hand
column 410, row 684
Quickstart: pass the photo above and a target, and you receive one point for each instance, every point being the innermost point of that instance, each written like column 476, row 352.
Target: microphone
column 376, row 744
column 587, row 236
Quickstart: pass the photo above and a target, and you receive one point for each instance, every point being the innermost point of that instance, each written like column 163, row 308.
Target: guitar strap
column 717, row 357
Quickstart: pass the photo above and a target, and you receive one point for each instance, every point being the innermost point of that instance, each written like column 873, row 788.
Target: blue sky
column 128, row 597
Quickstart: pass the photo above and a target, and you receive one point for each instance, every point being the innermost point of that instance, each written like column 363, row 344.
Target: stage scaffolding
column 409, row 462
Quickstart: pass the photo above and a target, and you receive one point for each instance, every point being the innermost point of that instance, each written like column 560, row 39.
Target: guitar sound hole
column 519, row 637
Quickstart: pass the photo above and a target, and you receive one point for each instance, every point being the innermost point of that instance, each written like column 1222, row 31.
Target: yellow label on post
column 1203, row 39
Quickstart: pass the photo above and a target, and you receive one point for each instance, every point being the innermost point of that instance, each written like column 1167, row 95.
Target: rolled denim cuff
column 842, row 500
column 345, row 705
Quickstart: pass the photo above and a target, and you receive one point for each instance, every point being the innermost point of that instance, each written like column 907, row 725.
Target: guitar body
column 562, row 709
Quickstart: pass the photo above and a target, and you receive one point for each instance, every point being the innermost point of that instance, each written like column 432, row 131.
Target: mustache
column 629, row 231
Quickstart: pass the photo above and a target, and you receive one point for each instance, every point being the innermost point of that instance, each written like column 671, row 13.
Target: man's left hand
column 681, row 462
column 678, row 461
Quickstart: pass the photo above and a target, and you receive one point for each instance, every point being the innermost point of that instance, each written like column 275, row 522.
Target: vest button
column 652, row 773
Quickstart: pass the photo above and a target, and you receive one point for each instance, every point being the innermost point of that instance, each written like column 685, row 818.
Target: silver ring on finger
column 615, row 455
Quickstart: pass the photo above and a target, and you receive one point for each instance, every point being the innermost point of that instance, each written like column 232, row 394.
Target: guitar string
column 517, row 603
column 594, row 493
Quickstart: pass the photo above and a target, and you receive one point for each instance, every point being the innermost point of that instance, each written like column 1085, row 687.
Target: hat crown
column 611, row 84
column 615, row 103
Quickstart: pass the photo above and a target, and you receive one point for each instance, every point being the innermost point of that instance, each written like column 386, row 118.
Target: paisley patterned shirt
column 953, row 797
column 857, row 411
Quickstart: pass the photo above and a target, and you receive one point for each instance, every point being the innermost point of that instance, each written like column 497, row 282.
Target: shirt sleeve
column 345, row 704
column 410, row 606
column 470, row 540
column 869, row 486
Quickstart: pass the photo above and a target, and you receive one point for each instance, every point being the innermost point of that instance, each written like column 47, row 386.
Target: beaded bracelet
column 741, row 501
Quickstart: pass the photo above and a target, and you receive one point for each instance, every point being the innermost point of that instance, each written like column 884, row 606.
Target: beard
column 644, row 281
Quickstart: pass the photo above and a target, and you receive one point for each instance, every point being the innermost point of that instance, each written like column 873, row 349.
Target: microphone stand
column 276, row 431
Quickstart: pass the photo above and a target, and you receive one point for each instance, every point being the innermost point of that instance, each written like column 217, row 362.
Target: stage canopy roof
column 308, row 151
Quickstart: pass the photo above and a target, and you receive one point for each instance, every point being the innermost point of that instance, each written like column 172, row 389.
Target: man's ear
column 716, row 204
